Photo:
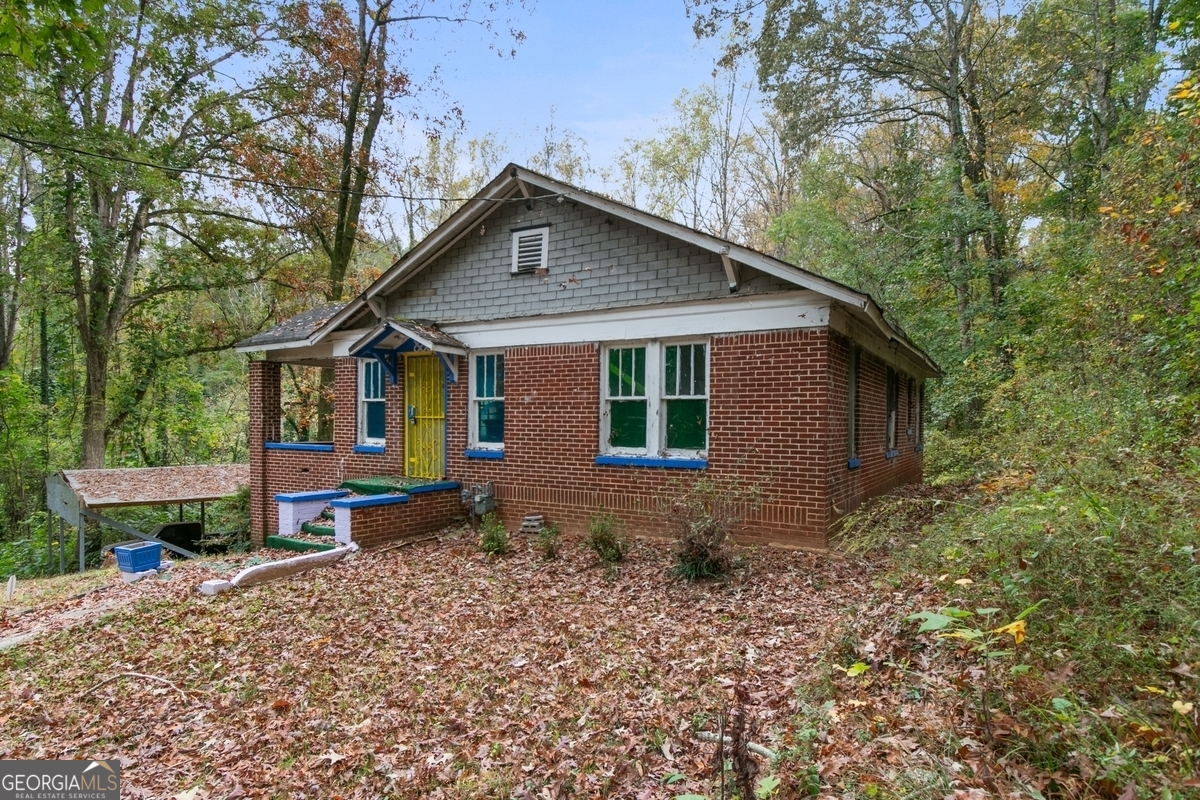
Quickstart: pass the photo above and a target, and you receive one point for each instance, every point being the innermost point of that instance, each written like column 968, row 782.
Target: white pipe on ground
column 262, row 573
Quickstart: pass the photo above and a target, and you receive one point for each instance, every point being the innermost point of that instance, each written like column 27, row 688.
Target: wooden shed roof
column 147, row 486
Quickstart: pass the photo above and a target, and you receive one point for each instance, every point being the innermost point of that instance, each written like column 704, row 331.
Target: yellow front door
column 425, row 408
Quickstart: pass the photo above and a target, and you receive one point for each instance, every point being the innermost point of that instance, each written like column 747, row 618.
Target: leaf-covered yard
column 432, row 671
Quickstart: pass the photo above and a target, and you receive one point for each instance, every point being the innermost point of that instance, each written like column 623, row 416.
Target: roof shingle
column 293, row 329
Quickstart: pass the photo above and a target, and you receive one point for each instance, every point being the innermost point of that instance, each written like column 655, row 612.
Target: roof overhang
column 392, row 337
column 515, row 183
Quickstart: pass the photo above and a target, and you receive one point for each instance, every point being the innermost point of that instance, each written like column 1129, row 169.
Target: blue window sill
column 372, row 500
column 377, row 449
column 305, row 446
column 440, row 486
column 302, row 497
column 890, row 454
column 919, row 448
column 854, row 463
column 496, row 454
column 647, row 461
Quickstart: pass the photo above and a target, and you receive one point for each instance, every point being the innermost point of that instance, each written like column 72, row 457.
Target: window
column 372, row 424
column 530, row 249
column 852, row 404
column 685, row 395
column 487, row 401
column 921, row 414
column 655, row 399
column 627, row 401
column 908, row 406
column 893, row 403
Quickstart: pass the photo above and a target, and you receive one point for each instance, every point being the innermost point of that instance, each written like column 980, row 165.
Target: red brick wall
column 776, row 419
column 423, row 513
column 877, row 474
column 767, row 397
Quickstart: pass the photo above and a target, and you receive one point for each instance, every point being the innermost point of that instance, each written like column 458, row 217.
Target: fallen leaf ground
column 432, row 671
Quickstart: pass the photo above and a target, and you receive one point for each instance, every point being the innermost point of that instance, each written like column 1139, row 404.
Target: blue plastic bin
column 138, row 557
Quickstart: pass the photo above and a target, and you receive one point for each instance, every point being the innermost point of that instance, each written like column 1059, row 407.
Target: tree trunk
column 962, row 304
column 95, row 407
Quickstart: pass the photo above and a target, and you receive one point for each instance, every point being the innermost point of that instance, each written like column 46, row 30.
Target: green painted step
column 317, row 530
column 296, row 545
column 327, row 514
column 383, row 484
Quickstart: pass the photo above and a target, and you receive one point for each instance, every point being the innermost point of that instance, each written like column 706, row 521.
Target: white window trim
column 679, row 452
column 362, row 402
column 544, row 232
column 473, row 410
column 656, row 431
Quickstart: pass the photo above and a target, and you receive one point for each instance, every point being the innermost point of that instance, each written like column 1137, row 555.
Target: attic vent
column 530, row 249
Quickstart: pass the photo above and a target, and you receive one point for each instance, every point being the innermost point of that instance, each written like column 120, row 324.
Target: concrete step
column 317, row 530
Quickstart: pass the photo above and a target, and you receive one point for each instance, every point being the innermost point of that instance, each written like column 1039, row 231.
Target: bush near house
column 493, row 536
column 607, row 538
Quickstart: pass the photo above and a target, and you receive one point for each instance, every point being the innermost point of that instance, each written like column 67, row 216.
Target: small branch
column 758, row 749
column 112, row 678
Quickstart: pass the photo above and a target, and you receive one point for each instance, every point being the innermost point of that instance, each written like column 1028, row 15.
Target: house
column 581, row 354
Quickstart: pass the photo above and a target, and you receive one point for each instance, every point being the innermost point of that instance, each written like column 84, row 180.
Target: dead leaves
column 428, row 672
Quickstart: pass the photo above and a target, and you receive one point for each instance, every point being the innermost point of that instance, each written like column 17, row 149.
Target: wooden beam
column 123, row 528
column 731, row 272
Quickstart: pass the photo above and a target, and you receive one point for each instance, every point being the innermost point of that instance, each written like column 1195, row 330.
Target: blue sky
column 608, row 69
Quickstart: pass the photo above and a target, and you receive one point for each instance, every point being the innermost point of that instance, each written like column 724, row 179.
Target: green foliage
column 22, row 454
column 23, row 552
column 39, row 30
column 493, row 536
column 606, row 537
column 227, row 526
column 547, row 542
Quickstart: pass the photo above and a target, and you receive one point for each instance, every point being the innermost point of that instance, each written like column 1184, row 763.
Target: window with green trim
column 372, row 408
column 627, row 401
column 685, row 396
column 655, row 399
column 487, row 401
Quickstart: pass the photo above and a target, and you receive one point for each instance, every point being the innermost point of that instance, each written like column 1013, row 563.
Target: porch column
column 345, row 404
column 265, row 414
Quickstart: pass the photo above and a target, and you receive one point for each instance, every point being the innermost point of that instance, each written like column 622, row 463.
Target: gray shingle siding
column 592, row 266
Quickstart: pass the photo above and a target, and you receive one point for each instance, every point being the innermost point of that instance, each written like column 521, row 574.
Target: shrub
column 606, row 538
column 700, row 516
column 493, row 536
column 547, row 542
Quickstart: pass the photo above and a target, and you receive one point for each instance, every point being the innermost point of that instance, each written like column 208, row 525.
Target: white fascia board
column 702, row 240
column 297, row 354
column 889, row 332
column 267, row 348
column 890, row 349
column 803, row 309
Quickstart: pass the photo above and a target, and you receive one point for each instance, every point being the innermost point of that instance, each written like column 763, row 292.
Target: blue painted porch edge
column 306, row 446
column 440, row 486
column 496, row 454
column 370, row 448
column 300, row 497
column 370, row 500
